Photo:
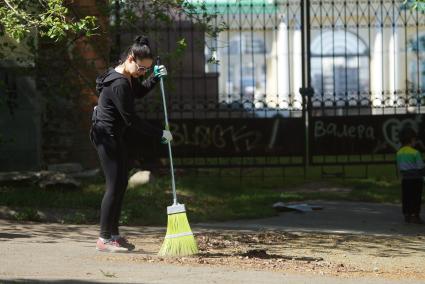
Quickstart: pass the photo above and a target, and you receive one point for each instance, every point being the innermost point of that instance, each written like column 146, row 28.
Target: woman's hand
column 159, row 71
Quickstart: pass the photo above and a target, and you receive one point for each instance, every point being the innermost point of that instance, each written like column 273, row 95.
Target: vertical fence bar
column 306, row 90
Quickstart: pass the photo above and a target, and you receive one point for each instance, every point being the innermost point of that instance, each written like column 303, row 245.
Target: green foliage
column 125, row 217
column 27, row 214
column 48, row 18
column 77, row 218
column 415, row 4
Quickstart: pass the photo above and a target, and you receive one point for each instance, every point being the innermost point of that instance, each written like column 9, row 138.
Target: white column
column 376, row 74
column 223, row 89
column 297, row 70
column 272, row 73
column 401, row 63
column 283, row 66
column 393, row 66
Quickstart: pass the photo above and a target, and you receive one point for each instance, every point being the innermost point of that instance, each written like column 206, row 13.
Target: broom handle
column 167, row 127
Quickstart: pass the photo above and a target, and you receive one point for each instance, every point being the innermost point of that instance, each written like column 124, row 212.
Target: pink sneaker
column 109, row 246
column 123, row 242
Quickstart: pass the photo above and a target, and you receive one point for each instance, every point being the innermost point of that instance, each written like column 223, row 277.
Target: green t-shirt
column 409, row 162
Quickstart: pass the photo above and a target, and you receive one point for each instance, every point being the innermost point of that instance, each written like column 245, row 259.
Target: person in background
column 411, row 168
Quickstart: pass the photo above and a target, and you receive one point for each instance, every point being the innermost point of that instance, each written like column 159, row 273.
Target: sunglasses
column 141, row 68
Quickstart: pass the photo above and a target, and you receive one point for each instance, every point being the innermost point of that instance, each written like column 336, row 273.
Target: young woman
column 112, row 117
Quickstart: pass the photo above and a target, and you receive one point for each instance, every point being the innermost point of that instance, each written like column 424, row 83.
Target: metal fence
column 289, row 82
column 367, row 71
column 20, row 137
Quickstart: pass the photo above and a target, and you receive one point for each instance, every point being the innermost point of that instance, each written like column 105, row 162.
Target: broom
column 179, row 239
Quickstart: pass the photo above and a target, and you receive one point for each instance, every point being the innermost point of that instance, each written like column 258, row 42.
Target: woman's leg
column 120, row 196
column 109, row 156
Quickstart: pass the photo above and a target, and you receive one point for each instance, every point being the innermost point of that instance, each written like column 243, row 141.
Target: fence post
column 306, row 90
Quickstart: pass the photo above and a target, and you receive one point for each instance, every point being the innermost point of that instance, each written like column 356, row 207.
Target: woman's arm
column 142, row 88
column 124, row 103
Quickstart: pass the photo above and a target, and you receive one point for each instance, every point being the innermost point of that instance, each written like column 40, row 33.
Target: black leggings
column 411, row 196
column 113, row 159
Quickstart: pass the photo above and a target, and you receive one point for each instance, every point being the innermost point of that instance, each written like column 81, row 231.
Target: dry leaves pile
column 400, row 257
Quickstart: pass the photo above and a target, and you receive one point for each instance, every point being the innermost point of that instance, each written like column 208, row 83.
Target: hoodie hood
column 106, row 78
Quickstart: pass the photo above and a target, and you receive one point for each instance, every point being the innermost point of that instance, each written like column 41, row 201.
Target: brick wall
column 66, row 77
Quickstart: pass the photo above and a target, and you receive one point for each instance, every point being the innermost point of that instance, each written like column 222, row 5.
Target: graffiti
column 368, row 135
column 331, row 135
column 240, row 139
column 359, row 131
column 392, row 127
column 232, row 137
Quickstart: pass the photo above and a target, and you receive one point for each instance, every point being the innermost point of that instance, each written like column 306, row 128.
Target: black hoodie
column 115, row 109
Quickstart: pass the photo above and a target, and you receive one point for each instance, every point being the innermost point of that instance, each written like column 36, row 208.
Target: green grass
column 227, row 198
column 208, row 197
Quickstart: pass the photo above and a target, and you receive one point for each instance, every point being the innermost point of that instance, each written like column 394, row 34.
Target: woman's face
column 137, row 67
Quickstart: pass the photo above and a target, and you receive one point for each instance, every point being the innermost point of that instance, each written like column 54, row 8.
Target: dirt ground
column 341, row 255
column 344, row 242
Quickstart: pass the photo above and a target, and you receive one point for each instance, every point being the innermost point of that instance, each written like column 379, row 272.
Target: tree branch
column 18, row 14
column 11, row 7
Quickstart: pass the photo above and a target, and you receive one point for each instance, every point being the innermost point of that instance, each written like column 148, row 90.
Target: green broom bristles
column 179, row 240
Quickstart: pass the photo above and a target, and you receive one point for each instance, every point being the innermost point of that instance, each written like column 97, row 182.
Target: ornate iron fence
column 288, row 82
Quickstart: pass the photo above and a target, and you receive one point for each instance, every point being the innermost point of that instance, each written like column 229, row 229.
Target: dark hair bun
column 140, row 49
column 142, row 40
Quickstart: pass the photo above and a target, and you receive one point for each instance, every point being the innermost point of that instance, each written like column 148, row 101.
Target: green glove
column 166, row 137
column 159, row 71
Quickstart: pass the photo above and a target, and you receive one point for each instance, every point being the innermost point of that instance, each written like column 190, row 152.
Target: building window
column 242, row 67
column 339, row 69
column 417, row 66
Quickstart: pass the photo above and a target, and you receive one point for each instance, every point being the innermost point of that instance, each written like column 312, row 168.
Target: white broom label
column 178, row 235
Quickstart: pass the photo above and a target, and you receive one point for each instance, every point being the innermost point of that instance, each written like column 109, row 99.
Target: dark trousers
column 113, row 159
column 411, row 196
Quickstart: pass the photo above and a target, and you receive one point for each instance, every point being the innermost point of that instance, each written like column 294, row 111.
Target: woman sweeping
column 112, row 117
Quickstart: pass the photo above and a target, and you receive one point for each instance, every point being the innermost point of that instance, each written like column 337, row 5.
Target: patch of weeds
column 27, row 214
column 108, row 274
column 77, row 218
column 125, row 217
